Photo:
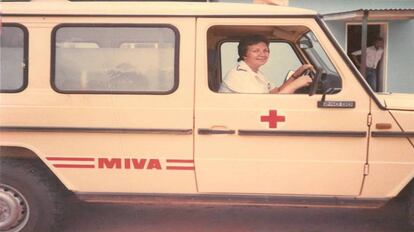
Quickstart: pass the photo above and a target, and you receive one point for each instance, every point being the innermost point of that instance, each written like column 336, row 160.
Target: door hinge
column 369, row 119
column 366, row 169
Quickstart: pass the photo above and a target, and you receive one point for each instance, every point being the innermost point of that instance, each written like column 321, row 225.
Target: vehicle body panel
column 154, row 144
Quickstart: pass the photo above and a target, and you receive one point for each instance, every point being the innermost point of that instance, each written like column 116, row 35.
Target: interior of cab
column 290, row 47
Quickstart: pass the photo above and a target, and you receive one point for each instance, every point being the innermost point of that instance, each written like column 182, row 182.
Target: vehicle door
column 276, row 143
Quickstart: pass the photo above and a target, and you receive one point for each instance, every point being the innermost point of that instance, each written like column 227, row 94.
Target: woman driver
column 246, row 77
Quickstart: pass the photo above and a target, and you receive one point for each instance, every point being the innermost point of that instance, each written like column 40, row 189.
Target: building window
column 13, row 72
column 124, row 59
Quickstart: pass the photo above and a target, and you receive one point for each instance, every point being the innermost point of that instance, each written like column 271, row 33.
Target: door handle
column 206, row 131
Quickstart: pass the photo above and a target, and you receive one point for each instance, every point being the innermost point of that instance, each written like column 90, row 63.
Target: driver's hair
column 247, row 41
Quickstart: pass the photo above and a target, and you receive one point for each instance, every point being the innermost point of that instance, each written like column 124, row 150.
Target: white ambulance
column 120, row 102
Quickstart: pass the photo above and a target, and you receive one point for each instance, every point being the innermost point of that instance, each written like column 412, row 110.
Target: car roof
column 149, row 8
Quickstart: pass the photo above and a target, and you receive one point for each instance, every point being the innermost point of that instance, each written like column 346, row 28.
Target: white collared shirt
column 373, row 56
column 242, row 79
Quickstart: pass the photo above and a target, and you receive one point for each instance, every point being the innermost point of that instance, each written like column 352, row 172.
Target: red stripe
column 179, row 168
column 73, row 166
column 69, row 159
column 179, row 161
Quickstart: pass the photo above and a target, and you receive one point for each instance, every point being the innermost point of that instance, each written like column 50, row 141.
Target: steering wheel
column 316, row 77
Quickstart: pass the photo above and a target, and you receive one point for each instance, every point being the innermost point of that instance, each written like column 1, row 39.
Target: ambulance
column 119, row 102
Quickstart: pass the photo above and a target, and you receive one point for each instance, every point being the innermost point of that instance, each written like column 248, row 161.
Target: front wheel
column 29, row 197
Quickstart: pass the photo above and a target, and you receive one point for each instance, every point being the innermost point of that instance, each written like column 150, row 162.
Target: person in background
column 246, row 77
column 374, row 55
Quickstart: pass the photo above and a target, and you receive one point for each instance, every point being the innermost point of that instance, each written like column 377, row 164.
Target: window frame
column 120, row 25
column 25, row 77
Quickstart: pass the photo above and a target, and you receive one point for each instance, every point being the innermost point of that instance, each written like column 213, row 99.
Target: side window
column 267, row 69
column 13, row 72
column 115, row 59
column 277, row 67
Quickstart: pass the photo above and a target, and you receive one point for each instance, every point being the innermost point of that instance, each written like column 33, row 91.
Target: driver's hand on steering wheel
column 302, row 69
column 302, row 81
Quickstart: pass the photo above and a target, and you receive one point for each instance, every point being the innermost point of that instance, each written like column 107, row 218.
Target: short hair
column 378, row 39
column 247, row 41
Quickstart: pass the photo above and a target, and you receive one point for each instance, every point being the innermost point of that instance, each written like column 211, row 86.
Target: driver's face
column 256, row 55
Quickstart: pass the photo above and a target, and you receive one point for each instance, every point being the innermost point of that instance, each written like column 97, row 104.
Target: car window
column 13, row 72
column 282, row 60
column 112, row 59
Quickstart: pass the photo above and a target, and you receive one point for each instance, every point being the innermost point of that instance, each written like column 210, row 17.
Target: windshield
column 330, row 81
column 312, row 48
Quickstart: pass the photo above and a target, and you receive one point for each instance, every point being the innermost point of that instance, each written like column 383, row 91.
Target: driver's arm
column 296, row 81
column 293, row 84
column 299, row 72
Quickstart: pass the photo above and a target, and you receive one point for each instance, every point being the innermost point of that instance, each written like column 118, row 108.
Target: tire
column 30, row 198
column 410, row 207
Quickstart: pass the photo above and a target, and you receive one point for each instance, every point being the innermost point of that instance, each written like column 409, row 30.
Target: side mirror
column 325, row 83
column 305, row 43
column 330, row 84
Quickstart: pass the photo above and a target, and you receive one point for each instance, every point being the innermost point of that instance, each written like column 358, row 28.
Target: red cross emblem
column 272, row 118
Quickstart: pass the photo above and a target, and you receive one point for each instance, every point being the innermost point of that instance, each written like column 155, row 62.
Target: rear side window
column 13, row 71
column 115, row 59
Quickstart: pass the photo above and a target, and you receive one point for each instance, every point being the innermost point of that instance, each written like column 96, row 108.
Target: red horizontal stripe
column 179, row 168
column 73, row 166
column 179, row 161
column 69, row 159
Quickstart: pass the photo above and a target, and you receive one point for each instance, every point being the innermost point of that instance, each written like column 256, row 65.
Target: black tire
column 410, row 206
column 39, row 196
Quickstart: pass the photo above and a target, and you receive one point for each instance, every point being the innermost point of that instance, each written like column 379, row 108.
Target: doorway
column 354, row 33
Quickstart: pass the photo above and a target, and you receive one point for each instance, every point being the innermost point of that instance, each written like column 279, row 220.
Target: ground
column 127, row 218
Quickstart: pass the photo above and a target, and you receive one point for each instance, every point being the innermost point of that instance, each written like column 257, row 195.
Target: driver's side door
column 277, row 144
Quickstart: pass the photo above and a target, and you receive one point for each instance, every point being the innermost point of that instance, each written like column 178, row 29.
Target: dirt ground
column 87, row 217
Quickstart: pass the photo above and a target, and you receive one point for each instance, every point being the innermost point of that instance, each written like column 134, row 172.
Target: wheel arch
column 406, row 190
column 21, row 153
column 17, row 152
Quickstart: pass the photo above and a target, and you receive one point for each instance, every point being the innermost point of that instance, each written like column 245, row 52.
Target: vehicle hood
column 401, row 107
column 397, row 101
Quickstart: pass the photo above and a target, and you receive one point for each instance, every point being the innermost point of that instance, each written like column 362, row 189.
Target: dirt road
column 132, row 218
